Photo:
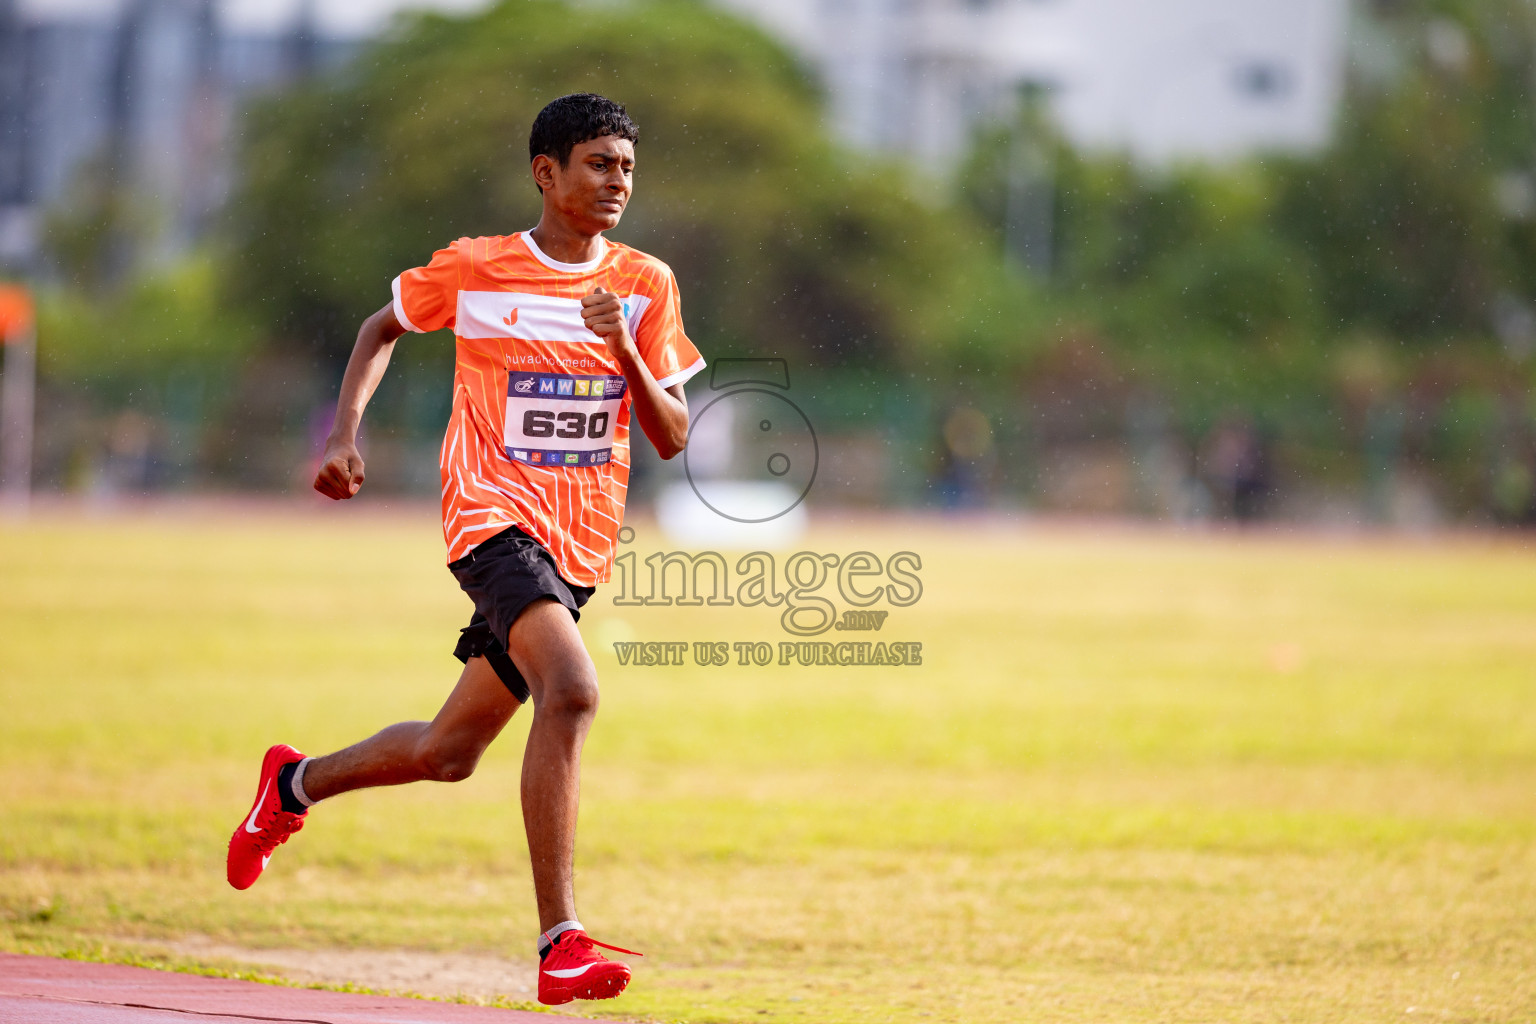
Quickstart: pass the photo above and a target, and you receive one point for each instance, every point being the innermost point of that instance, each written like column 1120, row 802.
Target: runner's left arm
column 341, row 467
column 662, row 412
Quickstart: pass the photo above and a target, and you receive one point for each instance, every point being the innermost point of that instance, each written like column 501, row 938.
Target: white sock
column 298, row 783
column 547, row 940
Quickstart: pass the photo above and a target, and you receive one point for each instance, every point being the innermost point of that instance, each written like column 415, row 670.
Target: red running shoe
column 268, row 826
column 574, row 970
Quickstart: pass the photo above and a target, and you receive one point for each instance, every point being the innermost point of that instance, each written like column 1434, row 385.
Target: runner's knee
column 574, row 697
column 446, row 761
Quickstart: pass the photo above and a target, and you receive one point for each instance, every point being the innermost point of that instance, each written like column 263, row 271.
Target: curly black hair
column 571, row 120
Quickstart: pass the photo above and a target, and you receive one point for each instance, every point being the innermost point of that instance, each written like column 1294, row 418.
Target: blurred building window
column 1264, row 80
column 1164, row 82
column 137, row 97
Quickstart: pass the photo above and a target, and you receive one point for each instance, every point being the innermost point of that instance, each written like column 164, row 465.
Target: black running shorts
column 504, row 575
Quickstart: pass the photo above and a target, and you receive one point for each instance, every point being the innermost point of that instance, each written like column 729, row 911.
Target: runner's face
column 593, row 187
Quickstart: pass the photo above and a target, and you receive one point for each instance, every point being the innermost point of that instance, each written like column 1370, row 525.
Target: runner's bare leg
column 548, row 651
column 445, row 749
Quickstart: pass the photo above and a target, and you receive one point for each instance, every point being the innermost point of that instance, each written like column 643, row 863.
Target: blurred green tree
column 150, row 328
column 1416, row 225
column 1177, row 274
column 782, row 244
column 1422, row 215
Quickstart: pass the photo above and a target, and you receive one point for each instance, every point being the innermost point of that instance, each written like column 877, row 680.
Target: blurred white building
column 149, row 89
column 146, row 92
column 1164, row 80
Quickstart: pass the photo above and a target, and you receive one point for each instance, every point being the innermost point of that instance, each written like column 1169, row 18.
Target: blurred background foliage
column 1067, row 330
column 781, row 242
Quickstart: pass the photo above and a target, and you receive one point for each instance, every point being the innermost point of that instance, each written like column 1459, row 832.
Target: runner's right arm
column 341, row 467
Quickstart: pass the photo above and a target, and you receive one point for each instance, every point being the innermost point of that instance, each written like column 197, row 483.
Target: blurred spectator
column 132, row 461
column 966, row 459
column 1235, row 465
column 1514, row 489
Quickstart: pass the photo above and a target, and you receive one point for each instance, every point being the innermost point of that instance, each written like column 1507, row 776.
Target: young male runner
column 560, row 336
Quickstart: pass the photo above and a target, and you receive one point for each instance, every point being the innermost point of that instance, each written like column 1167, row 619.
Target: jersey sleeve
column 659, row 336
column 427, row 298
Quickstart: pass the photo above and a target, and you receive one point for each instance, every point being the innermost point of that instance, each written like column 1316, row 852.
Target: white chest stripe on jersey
column 634, row 309
column 536, row 317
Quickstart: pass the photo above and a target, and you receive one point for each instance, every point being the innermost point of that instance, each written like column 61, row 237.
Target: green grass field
column 1139, row 777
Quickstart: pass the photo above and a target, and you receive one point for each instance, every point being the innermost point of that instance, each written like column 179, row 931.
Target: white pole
column 18, row 385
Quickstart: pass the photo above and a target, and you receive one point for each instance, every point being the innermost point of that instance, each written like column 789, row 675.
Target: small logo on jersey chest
column 511, row 318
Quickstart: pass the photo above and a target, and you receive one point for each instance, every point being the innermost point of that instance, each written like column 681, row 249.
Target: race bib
column 556, row 419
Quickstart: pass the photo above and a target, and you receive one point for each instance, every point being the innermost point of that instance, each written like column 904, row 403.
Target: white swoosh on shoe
column 573, row 972
column 250, row 825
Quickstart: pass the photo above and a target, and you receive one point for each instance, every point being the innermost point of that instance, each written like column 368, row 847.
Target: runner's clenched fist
column 341, row 471
column 603, row 313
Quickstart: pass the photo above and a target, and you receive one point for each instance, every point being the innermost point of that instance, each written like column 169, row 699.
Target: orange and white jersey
column 539, row 434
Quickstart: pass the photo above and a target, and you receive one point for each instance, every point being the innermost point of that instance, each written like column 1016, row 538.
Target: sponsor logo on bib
column 561, row 420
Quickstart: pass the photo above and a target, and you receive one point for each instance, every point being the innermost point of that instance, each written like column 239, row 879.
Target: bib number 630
column 571, row 425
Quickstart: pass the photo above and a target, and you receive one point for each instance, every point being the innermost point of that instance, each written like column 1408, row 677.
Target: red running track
column 42, row 990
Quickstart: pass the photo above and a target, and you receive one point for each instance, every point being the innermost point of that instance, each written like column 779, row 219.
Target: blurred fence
column 1044, row 443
